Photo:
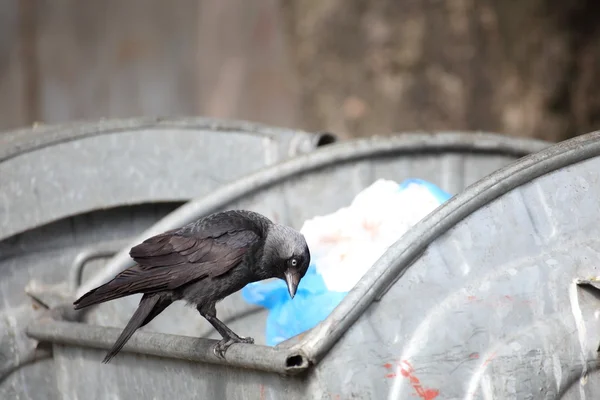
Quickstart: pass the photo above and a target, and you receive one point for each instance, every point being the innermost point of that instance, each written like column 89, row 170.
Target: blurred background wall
column 354, row 67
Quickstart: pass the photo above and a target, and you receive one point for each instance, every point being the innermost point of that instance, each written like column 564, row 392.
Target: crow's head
column 286, row 255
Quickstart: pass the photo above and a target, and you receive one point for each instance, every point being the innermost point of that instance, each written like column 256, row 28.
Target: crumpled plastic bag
column 312, row 303
column 343, row 246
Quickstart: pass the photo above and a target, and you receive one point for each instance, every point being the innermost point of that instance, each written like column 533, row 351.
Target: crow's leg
column 209, row 312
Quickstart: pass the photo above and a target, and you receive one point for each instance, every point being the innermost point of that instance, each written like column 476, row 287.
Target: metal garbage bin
column 64, row 188
column 160, row 366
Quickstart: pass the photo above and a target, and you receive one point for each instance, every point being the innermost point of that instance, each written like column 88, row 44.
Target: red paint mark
column 489, row 359
column 337, row 397
column 474, row 356
column 392, row 375
column 262, row 392
column 387, row 365
column 407, row 371
column 507, row 297
column 471, row 298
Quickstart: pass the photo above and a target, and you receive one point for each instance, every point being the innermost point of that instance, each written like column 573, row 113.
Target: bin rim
column 19, row 141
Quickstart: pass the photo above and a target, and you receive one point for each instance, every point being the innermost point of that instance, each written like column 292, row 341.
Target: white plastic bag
column 346, row 243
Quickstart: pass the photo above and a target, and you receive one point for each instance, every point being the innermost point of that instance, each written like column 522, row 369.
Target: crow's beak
column 292, row 278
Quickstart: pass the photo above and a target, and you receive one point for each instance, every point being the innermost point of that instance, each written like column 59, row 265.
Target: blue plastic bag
column 437, row 193
column 313, row 301
column 287, row 318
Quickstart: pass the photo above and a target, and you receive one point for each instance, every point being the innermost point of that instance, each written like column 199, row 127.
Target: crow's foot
column 222, row 345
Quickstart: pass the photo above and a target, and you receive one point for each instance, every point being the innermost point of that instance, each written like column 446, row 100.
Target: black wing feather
column 199, row 258
column 178, row 257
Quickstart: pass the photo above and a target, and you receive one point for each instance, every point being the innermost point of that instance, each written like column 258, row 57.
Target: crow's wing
column 171, row 260
column 207, row 248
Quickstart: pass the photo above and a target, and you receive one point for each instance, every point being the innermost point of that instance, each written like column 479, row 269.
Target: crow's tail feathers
column 150, row 306
column 101, row 294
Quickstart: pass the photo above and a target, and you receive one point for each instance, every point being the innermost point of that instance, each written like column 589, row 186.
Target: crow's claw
column 222, row 345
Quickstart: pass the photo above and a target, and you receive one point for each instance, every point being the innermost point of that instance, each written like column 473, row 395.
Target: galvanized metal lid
column 57, row 171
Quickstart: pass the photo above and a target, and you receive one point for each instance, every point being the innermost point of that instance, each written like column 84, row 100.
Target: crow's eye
column 293, row 262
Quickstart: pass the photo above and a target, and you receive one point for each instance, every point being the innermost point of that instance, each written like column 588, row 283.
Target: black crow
column 202, row 263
